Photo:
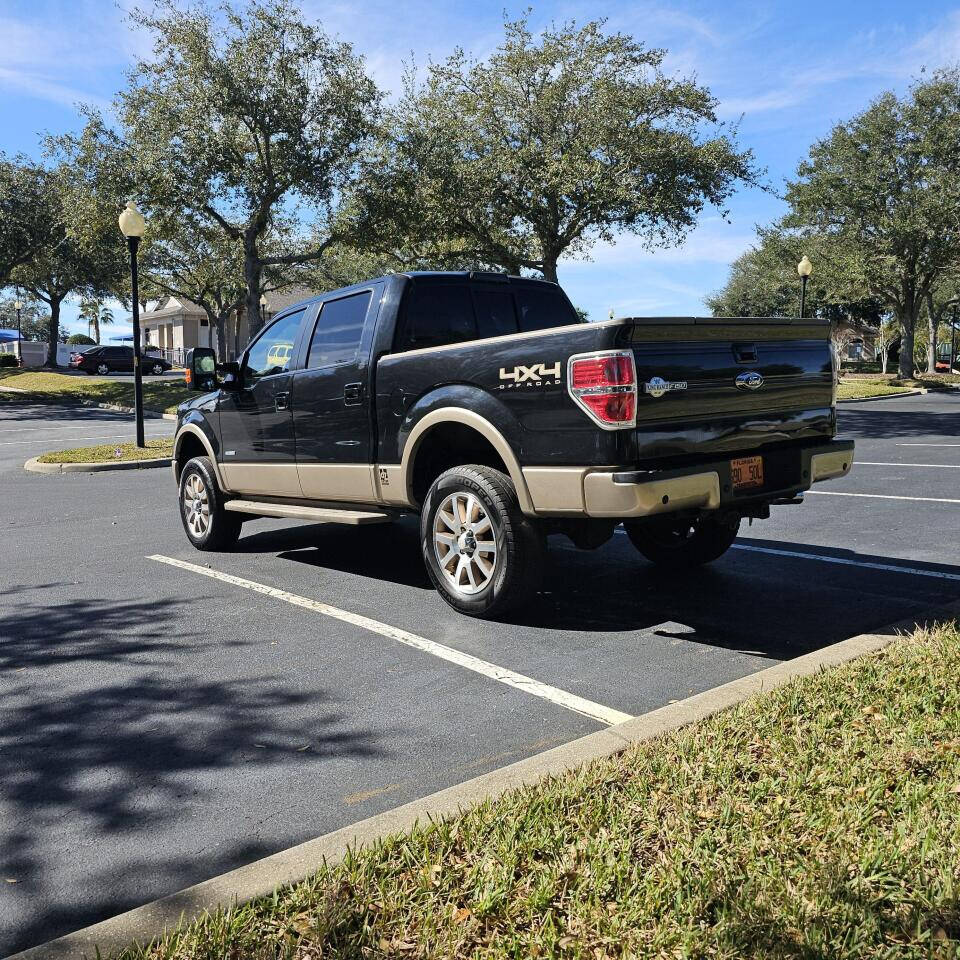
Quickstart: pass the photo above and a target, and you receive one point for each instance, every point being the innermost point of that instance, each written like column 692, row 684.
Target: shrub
column 8, row 360
column 81, row 340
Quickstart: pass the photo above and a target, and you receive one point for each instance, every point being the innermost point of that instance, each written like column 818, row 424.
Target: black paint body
column 364, row 410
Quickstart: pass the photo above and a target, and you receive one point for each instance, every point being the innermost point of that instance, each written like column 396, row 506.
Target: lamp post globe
column 132, row 226
column 804, row 269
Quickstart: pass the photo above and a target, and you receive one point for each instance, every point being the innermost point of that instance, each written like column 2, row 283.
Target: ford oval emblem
column 749, row 381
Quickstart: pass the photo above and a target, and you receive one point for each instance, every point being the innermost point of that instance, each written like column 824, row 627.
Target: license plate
column 746, row 472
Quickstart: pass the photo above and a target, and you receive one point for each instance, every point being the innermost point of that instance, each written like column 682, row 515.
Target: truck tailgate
column 730, row 384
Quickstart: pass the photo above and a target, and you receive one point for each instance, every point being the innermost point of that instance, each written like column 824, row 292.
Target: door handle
column 282, row 401
column 352, row 394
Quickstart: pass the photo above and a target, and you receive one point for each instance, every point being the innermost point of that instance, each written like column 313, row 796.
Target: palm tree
column 96, row 315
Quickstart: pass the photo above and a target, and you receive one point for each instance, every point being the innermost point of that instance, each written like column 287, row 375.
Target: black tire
column 677, row 544
column 102, row 369
column 518, row 545
column 216, row 528
column 157, row 369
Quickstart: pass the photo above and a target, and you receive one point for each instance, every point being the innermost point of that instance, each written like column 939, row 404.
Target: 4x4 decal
column 535, row 375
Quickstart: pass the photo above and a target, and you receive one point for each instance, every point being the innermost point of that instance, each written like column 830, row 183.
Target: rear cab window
column 440, row 311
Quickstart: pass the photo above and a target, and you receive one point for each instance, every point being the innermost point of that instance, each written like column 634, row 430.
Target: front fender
column 195, row 424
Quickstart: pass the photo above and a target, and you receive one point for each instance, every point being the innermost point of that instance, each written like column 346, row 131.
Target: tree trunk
column 550, row 268
column 53, row 333
column 931, row 336
column 252, row 274
column 221, row 324
column 908, row 320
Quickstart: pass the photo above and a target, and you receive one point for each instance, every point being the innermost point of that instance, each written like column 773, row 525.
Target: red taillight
column 605, row 386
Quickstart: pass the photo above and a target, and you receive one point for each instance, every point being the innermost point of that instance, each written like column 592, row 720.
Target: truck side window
column 436, row 314
column 336, row 336
column 272, row 351
column 495, row 313
column 541, row 307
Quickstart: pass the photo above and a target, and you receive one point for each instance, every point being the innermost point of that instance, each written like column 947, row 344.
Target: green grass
column 108, row 452
column 819, row 821
column 162, row 396
column 861, row 388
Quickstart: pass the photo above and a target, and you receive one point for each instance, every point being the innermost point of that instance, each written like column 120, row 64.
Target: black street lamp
column 132, row 226
column 804, row 269
column 953, row 340
column 18, row 306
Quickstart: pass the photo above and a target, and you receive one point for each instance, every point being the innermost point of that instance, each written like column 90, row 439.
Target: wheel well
column 190, row 446
column 450, row 445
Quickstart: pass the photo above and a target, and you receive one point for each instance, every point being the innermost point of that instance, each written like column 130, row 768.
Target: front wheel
column 483, row 555
column 208, row 526
column 156, row 369
column 679, row 543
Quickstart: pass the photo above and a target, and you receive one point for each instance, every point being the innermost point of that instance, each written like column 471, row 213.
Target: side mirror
column 201, row 369
column 229, row 375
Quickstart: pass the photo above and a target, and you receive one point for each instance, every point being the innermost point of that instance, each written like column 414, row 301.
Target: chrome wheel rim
column 196, row 505
column 465, row 543
column 103, row 369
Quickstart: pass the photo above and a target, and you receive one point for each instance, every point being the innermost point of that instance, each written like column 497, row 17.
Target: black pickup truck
column 486, row 404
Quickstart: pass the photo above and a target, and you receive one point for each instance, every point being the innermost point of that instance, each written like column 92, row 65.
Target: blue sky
column 790, row 70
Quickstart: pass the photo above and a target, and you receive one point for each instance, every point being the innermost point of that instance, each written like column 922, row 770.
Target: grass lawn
column 159, row 395
column 860, row 388
column 108, row 451
column 819, row 821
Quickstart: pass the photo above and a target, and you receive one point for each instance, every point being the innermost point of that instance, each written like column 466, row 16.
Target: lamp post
column 953, row 340
column 804, row 269
column 132, row 226
column 18, row 306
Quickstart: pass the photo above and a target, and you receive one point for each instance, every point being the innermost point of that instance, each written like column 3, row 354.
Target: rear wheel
column 483, row 555
column 678, row 543
column 102, row 369
column 208, row 526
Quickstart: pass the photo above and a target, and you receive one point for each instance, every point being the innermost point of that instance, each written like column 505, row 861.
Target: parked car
column 485, row 404
column 105, row 360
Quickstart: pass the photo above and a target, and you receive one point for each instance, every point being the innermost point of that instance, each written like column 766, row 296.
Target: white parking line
column 881, row 496
column 928, row 444
column 870, row 565
column 881, row 463
column 559, row 697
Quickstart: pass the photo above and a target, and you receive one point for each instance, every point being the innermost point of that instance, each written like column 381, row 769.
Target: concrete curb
column 886, row 396
column 79, row 402
column 35, row 466
column 262, row 877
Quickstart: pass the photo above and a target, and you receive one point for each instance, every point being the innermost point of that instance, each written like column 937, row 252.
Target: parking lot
column 169, row 715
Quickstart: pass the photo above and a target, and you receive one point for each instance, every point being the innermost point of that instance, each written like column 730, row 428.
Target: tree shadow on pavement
column 873, row 424
column 93, row 770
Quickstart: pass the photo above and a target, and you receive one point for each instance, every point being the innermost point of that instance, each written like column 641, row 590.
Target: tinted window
column 273, row 351
column 435, row 314
column 113, row 353
column 495, row 314
column 336, row 336
column 540, row 307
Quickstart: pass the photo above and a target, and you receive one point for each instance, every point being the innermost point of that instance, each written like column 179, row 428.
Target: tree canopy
column 550, row 144
column 242, row 120
column 887, row 183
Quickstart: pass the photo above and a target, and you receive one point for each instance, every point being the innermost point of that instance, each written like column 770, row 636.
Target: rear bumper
column 707, row 486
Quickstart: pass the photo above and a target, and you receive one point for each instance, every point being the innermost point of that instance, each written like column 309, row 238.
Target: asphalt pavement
column 160, row 725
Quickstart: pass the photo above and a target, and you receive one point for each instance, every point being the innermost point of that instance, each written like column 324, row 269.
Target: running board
column 317, row 514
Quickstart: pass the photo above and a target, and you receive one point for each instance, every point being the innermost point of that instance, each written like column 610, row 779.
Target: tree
column 26, row 221
column 34, row 319
column 80, row 340
column 550, row 144
column 242, row 119
column 763, row 280
column 888, row 183
column 96, row 314
column 66, row 264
